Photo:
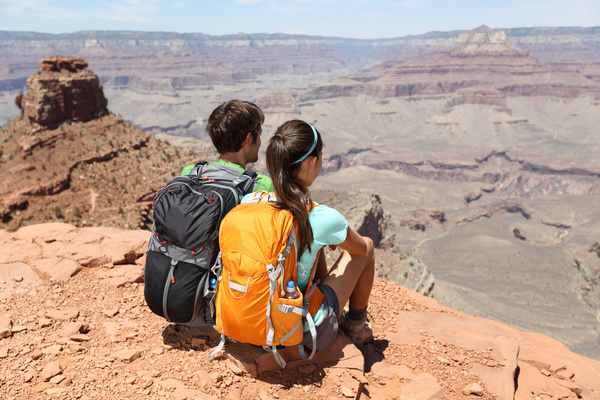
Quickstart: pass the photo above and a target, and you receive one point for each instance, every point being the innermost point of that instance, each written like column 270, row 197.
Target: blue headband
column 313, row 145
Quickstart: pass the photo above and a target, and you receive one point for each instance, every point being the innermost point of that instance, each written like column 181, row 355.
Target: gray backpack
column 184, row 244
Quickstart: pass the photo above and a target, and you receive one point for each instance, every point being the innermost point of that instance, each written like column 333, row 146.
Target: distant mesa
column 484, row 41
column 482, row 67
column 62, row 90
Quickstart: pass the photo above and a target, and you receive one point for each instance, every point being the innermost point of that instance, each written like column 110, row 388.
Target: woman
column 294, row 156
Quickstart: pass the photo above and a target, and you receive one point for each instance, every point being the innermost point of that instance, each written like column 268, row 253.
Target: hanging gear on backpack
column 184, row 244
column 258, row 257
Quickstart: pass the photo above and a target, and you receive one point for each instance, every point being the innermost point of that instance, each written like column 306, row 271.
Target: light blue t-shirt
column 329, row 228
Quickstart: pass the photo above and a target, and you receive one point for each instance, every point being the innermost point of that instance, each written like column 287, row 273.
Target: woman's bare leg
column 351, row 277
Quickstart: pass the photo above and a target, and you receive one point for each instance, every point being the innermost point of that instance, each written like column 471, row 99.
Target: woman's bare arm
column 354, row 243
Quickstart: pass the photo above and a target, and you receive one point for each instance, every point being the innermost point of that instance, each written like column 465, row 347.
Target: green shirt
column 264, row 182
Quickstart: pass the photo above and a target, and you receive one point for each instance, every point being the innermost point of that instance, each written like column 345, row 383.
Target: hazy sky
column 344, row 18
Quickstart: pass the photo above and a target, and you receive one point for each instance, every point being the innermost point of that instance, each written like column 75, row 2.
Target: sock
column 357, row 315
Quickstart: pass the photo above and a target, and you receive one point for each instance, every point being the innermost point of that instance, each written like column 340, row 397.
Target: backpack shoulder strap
column 260, row 196
column 245, row 182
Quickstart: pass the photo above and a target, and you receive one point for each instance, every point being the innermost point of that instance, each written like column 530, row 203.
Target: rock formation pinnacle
column 62, row 90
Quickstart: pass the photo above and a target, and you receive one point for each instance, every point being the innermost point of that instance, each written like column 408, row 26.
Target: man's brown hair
column 230, row 123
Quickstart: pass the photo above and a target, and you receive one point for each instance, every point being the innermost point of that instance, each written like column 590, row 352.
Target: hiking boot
column 358, row 331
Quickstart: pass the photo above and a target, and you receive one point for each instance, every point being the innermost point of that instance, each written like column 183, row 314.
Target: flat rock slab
column 17, row 277
column 62, row 315
column 59, row 269
column 471, row 333
column 254, row 360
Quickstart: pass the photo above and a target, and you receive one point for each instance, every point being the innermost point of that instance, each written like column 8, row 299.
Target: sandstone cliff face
column 63, row 90
column 74, row 324
column 69, row 159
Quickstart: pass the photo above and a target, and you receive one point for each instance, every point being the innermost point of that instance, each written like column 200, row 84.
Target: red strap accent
column 211, row 199
column 163, row 242
column 193, row 251
column 156, row 234
column 172, row 279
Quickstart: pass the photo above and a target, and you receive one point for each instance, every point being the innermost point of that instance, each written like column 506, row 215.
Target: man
column 235, row 128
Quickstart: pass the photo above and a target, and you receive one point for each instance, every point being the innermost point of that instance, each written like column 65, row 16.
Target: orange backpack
column 258, row 257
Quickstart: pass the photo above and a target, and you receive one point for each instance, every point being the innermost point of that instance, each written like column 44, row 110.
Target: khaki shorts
column 327, row 329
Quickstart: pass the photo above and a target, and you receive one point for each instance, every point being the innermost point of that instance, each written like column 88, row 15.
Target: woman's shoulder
column 322, row 211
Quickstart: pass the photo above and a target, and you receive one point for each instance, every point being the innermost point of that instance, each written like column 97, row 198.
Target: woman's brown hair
column 289, row 146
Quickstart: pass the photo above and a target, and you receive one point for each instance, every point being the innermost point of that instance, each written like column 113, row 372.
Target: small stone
column 128, row 355
column 45, row 322
column 57, row 379
column 19, row 328
column 18, row 278
column 111, row 312
column 491, row 363
column 443, row 360
column 215, row 377
column 5, row 326
column 50, row 371
column 79, row 338
column 35, row 354
column 234, row 368
column 561, row 373
column 54, row 349
column 307, row 369
column 147, row 383
column 73, row 328
column 62, row 315
column 346, row 392
column 3, row 352
column 198, row 343
column 473, row 388
column 172, row 346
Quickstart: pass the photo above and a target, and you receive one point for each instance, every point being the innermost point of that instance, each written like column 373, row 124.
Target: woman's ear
column 313, row 162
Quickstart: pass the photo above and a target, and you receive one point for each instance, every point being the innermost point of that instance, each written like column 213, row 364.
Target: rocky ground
column 74, row 325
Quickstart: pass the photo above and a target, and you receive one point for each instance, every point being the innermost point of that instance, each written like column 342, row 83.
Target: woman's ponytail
column 290, row 143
